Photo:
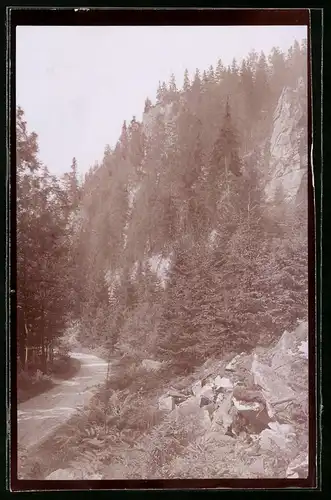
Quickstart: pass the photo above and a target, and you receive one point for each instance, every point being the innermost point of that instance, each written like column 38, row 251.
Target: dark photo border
column 312, row 18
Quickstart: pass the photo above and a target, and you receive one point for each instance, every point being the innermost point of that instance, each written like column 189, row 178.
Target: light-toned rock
column 207, row 391
column 151, row 365
column 275, row 389
column 190, row 406
column 219, row 398
column 223, row 382
column 303, row 348
column 166, row 403
column 278, row 434
column 298, row 468
column 196, row 387
column 223, row 416
column 256, row 467
column 191, row 409
column 288, row 143
column 246, row 406
column 232, row 365
column 69, row 474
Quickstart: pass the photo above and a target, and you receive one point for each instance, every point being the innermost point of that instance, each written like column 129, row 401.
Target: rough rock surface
column 69, row 474
column 260, row 415
column 150, row 117
column 166, row 403
column 288, row 144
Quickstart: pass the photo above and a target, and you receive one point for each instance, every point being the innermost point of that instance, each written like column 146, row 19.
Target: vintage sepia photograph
column 162, row 178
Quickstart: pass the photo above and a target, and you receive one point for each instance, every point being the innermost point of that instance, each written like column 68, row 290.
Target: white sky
column 77, row 84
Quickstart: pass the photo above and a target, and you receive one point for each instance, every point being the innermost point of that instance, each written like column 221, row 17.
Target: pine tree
column 226, row 148
column 148, row 105
column 234, row 66
column 172, row 85
column 159, row 94
column 219, row 71
column 211, row 74
column 186, row 84
column 205, row 79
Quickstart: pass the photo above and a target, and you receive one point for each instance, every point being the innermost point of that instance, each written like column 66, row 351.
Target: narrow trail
column 40, row 416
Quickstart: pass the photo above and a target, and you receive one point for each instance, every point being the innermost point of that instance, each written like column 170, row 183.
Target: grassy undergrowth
column 122, row 410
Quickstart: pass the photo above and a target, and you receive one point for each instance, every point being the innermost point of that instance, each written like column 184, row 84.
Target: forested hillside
column 173, row 248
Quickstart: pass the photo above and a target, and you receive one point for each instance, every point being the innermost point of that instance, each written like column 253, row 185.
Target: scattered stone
column 207, row 391
column 246, row 406
column 64, row 474
column 204, row 401
column 256, row 467
column 191, row 405
column 210, row 408
column 279, row 434
column 223, row 382
column 223, row 416
column 232, row 365
column 219, row 398
column 151, row 365
column 242, row 393
column 166, row 403
column 298, row 468
column 175, row 394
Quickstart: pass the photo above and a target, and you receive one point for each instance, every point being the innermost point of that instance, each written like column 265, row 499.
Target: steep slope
column 188, row 235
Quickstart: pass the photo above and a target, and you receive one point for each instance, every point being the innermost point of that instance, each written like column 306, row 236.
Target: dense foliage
column 169, row 248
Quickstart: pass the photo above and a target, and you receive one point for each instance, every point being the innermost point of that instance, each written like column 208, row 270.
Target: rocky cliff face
column 288, row 164
column 150, row 117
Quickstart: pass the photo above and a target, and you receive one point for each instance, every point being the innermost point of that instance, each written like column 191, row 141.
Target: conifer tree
column 186, row 84
column 159, row 93
column 148, row 105
column 219, row 71
column 211, row 74
column 172, row 85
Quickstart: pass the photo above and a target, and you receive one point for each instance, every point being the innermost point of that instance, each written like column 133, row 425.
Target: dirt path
column 40, row 416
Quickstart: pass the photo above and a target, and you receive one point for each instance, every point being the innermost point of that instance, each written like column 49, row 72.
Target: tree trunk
column 43, row 354
column 26, row 346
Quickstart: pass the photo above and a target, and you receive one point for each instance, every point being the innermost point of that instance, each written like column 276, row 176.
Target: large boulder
column 291, row 351
column 279, row 435
column 188, row 407
column 251, row 416
column 166, row 403
column 275, row 389
column 206, row 391
column 224, row 415
column 223, row 383
column 230, row 367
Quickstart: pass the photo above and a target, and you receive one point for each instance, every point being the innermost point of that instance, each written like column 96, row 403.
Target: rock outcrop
column 265, row 413
column 288, row 144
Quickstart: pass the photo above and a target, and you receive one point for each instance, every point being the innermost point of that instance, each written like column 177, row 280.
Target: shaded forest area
column 182, row 191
